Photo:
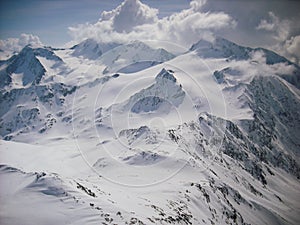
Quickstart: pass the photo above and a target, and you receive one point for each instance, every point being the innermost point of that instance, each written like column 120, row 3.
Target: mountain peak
column 220, row 48
column 164, row 92
column 27, row 64
column 223, row 48
column 165, row 74
column 134, row 56
column 92, row 49
column 216, row 42
column 137, row 43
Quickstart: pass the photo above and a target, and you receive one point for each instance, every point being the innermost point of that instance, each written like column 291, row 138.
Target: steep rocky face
column 25, row 64
column 276, row 122
column 32, row 109
column 254, row 149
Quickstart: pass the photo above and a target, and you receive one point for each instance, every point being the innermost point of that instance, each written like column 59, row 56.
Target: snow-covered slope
column 125, row 55
column 207, row 137
column 138, row 66
column 91, row 49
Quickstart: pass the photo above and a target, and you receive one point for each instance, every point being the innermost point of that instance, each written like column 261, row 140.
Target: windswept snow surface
column 130, row 134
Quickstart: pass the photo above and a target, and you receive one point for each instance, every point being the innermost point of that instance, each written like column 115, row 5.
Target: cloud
column 133, row 20
column 11, row 45
column 287, row 44
column 292, row 49
column 280, row 29
column 257, row 66
column 258, row 56
column 268, row 25
column 130, row 14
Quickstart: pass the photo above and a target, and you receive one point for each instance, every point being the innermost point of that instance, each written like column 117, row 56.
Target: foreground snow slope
column 207, row 137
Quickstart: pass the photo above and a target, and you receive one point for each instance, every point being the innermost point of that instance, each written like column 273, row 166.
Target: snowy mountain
column 27, row 67
column 222, row 48
column 129, row 134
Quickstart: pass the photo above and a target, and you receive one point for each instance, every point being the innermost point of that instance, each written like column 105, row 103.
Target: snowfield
column 132, row 134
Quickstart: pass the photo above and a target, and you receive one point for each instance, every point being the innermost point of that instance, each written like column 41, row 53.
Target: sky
column 272, row 24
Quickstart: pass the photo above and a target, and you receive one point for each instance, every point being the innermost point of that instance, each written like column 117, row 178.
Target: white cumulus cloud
column 11, row 45
column 133, row 20
column 292, row 47
column 130, row 14
column 16, row 44
column 287, row 44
